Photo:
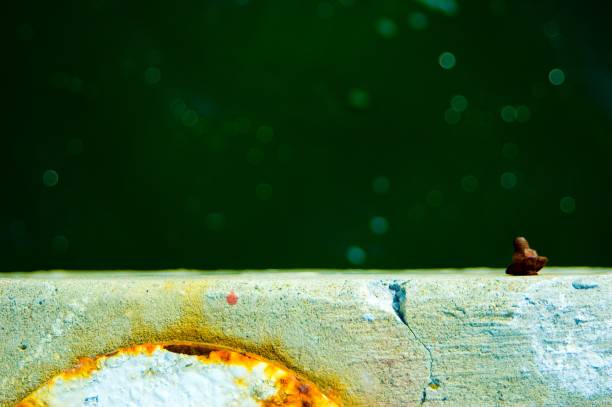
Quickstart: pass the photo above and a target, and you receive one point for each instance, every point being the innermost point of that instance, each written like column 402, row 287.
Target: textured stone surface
column 515, row 341
column 371, row 339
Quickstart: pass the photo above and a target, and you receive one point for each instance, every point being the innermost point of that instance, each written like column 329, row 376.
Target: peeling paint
column 184, row 374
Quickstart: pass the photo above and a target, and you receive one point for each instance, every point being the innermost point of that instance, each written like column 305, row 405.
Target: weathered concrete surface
column 369, row 339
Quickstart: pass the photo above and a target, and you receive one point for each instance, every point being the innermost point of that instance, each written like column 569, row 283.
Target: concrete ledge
column 369, row 339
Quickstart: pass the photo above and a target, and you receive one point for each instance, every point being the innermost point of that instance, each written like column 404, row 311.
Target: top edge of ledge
column 297, row 273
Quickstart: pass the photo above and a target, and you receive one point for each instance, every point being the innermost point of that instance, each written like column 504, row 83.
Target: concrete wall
column 467, row 338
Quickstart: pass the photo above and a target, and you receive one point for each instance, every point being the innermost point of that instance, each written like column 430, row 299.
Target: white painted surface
column 164, row 379
column 571, row 347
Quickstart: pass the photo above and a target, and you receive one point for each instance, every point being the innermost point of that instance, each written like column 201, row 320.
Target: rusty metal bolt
column 525, row 260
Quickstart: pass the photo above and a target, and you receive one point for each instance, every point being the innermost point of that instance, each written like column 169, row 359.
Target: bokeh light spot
column 448, row 7
column 152, row 75
column 359, row 98
column 447, row 60
column 508, row 114
column 356, row 255
column 451, row 116
column 50, row 178
column 508, row 180
column 469, row 183
column 379, row 225
column 523, row 113
column 435, row 198
column 265, row 134
column 418, row 21
column 381, row 185
column 556, row 76
column 567, row 204
column 386, row 28
column 510, row 151
column 263, row 192
column 215, row 221
column 60, row 243
column 459, row 103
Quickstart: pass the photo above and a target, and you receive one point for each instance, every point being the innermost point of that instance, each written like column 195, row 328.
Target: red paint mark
column 232, row 298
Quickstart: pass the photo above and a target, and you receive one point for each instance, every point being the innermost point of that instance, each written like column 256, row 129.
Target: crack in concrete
column 399, row 296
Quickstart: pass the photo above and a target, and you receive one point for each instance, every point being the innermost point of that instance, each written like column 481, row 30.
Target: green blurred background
column 284, row 134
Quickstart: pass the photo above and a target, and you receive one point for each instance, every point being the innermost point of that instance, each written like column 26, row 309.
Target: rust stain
column 525, row 260
column 84, row 368
column 190, row 326
column 291, row 389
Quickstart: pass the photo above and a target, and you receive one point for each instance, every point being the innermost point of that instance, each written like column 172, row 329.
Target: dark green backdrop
column 256, row 134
